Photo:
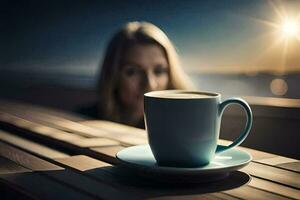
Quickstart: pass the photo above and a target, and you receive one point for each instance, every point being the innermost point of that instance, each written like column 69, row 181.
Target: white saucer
column 141, row 160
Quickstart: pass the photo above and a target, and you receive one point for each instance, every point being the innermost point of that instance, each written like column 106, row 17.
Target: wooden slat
column 37, row 128
column 5, row 117
column 275, row 188
column 277, row 160
column 40, row 109
column 41, row 129
column 126, row 139
column 126, row 135
column 115, row 127
column 283, row 162
column 7, row 167
column 30, row 146
column 89, row 166
column 188, row 197
column 26, row 160
column 94, row 142
column 82, row 162
column 273, row 174
column 68, row 137
column 224, row 196
column 14, row 116
column 108, row 152
column 250, row 193
column 295, row 166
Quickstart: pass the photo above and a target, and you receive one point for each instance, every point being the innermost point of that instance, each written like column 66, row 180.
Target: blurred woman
column 139, row 58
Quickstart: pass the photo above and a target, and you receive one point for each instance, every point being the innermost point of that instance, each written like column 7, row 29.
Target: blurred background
column 50, row 51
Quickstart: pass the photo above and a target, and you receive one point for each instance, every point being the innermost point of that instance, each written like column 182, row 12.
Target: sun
column 290, row 28
column 283, row 35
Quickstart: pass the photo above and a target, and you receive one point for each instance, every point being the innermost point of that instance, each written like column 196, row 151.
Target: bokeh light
column 278, row 87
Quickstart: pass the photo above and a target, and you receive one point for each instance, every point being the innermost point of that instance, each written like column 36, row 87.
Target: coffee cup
column 183, row 126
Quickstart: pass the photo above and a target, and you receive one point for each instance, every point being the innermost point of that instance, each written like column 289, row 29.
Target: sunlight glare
column 290, row 28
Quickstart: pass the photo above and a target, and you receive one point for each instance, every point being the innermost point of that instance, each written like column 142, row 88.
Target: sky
column 221, row 36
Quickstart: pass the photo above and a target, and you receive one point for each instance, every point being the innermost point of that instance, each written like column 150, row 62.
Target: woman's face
column 144, row 68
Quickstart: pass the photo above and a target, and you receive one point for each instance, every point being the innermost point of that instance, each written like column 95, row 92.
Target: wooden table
column 48, row 154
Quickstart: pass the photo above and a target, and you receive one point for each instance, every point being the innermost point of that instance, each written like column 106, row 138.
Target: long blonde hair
column 131, row 34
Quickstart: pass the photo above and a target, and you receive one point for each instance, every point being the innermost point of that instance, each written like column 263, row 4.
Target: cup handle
column 247, row 128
